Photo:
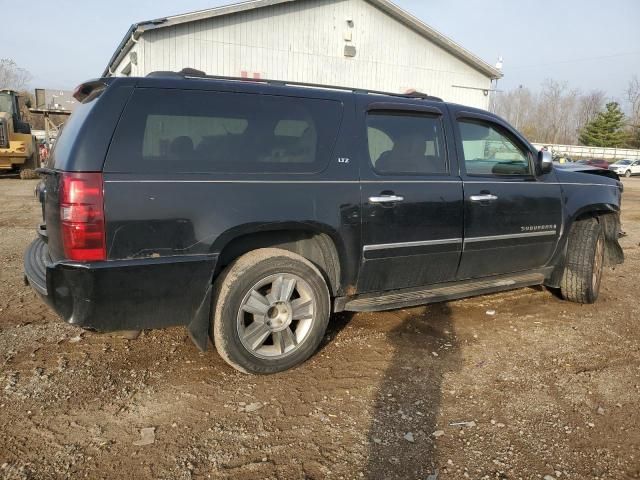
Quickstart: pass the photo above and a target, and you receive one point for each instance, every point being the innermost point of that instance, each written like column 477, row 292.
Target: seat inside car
column 181, row 146
column 408, row 155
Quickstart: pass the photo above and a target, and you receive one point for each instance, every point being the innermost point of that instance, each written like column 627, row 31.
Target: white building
column 367, row 44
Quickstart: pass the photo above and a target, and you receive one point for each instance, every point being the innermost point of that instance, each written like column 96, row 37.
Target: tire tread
column 576, row 284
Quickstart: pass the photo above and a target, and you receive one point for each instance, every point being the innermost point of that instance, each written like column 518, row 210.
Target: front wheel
column 627, row 173
column 584, row 262
column 28, row 174
column 271, row 311
column 28, row 169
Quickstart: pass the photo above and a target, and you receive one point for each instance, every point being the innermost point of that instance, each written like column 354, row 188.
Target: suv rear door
column 411, row 202
column 512, row 218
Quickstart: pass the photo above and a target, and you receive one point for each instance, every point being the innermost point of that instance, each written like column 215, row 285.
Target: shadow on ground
column 405, row 412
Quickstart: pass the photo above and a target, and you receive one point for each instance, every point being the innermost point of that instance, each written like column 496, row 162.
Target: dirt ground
column 540, row 389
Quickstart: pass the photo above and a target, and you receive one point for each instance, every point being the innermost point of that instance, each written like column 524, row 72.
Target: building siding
column 304, row 41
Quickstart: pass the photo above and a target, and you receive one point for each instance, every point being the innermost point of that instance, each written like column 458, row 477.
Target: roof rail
column 186, row 73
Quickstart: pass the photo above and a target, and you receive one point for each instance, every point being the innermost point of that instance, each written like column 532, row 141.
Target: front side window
column 487, row 151
column 202, row 132
column 406, row 144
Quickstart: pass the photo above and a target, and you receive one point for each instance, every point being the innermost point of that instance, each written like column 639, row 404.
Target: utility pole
column 493, row 101
column 517, row 125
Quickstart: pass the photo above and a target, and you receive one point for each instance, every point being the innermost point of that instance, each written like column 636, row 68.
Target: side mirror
column 545, row 161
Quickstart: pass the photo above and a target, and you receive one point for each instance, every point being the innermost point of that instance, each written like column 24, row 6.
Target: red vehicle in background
column 594, row 162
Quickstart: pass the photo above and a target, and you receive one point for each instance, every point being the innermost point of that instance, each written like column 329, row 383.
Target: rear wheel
column 584, row 262
column 271, row 311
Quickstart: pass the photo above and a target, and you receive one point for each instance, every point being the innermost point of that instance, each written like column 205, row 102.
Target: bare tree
column 556, row 104
column 589, row 106
column 12, row 76
column 633, row 97
column 554, row 114
column 515, row 105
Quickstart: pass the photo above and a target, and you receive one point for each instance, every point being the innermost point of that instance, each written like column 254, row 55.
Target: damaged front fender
column 611, row 226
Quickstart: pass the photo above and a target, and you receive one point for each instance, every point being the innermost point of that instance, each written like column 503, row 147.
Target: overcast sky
column 592, row 44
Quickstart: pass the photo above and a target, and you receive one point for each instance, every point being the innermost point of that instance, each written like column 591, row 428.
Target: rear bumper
column 123, row 294
column 35, row 260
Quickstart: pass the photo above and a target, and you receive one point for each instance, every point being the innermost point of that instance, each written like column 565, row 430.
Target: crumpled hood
column 578, row 168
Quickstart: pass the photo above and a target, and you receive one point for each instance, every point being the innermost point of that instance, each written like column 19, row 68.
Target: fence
column 579, row 151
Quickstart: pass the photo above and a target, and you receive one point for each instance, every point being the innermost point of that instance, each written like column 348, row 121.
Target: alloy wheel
column 276, row 315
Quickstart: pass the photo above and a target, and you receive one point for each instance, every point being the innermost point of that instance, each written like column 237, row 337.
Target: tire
column 246, row 309
column 28, row 174
column 28, row 169
column 627, row 173
column 584, row 262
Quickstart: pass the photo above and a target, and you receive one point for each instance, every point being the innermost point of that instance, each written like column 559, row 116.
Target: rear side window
column 185, row 131
column 406, row 144
column 68, row 134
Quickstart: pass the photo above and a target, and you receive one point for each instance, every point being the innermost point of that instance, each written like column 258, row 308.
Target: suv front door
column 512, row 219
column 411, row 202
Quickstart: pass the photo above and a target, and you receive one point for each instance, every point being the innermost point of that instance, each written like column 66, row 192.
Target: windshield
column 623, row 162
column 6, row 103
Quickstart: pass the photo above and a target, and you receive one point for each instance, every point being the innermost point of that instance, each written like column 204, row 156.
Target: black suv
column 249, row 211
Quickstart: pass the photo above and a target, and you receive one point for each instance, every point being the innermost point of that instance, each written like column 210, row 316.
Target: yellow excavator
column 18, row 148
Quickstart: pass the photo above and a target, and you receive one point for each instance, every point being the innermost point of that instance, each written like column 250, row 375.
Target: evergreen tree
column 607, row 129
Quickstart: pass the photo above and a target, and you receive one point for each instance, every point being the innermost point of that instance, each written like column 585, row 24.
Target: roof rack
column 193, row 73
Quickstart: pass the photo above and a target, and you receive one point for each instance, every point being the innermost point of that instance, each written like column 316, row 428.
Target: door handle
column 483, row 198
column 386, row 199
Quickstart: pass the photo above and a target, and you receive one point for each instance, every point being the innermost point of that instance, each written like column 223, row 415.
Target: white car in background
column 626, row 167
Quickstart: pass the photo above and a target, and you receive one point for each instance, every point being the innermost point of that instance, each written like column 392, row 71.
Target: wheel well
column 593, row 214
column 316, row 247
column 609, row 220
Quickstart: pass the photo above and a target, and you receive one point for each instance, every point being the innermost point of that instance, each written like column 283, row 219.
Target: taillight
column 82, row 216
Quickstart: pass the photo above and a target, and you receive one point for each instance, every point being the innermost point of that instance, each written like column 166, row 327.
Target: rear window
column 185, row 131
column 406, row 143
